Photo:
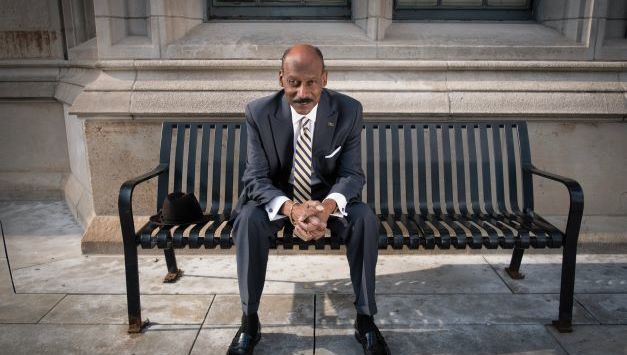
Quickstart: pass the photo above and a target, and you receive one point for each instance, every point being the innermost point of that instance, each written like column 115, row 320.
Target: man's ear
column 281, row 78
column 324, row 78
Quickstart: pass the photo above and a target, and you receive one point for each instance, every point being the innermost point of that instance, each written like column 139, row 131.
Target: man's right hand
column 307, row 225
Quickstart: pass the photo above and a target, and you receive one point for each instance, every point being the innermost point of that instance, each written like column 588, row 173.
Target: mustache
column 304, row 100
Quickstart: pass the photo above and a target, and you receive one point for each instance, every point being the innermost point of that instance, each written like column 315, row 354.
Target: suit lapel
column 326, row 121
column 283, row 134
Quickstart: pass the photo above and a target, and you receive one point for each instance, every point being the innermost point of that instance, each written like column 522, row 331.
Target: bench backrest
column 414, row 168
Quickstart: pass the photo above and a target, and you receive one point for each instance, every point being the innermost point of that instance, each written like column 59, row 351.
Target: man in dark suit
column 304, row 167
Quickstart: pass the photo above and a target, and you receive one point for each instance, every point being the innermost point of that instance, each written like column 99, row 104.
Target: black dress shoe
column 243, row 343
column 372, row 342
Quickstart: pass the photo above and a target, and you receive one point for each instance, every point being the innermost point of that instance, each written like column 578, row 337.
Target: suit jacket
column 270, row 148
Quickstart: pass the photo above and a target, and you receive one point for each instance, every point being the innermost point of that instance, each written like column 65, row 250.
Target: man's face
column 302, row 77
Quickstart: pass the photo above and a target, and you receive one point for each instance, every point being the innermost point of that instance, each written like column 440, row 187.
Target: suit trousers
column 252, row 230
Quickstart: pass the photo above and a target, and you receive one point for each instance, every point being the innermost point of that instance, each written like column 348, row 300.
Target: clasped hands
column 309, row 218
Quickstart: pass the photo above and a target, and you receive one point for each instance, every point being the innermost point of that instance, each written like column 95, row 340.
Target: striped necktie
column 302, row 163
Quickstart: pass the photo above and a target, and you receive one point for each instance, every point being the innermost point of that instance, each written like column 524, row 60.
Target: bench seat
column 395, row 232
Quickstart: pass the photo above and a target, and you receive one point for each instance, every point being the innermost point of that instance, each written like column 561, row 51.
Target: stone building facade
column 85, row 84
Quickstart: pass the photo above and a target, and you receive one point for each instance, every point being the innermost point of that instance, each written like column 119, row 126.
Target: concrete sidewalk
column 428, row 304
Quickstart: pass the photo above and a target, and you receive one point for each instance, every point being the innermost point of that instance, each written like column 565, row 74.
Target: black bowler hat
column 179, row 208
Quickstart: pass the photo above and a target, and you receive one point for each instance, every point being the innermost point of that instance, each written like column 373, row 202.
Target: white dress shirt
column 273, row 207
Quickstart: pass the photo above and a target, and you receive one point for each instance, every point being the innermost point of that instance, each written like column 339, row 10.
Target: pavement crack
column 201, row 324
column 556, row 339
column 51, row 308
column 499, row 275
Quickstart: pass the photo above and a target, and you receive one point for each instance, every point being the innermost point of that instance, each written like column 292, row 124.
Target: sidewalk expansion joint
column 201, row 325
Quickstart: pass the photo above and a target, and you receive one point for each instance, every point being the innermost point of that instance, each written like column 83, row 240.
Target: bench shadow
column 334, row 311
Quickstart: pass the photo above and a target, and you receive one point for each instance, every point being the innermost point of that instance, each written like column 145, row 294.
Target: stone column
column 373, row 16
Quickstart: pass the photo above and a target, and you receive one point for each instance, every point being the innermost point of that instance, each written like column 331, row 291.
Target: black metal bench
column 450, row 185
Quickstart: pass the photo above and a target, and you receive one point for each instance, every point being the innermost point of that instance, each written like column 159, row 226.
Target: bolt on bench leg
column 174, row 273
column 514, row 265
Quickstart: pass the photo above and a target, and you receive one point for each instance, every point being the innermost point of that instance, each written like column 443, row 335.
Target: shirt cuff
column 340, row 200
column 273, row 207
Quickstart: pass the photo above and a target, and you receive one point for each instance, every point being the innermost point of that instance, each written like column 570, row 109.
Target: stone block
column 453, row 339
column 108, row 8
column 210, row 80
column 416, row 311
column 615, row 28
column 30, row 136
column 410, row 103
column 617, row 9
column 530, row 81
column 560, row 9
column 20, row 90
column 575, row 29
column 269, row 40
column 112, row 309
column 39, row 233
column 103, row 235
column 137, row 27
column 113, row 81
column 529, row 103
column 274, row 310
column 134, row 149
column 594, row 339
column 27, row 73
column 606, row 308
column 31, row 186
column 95, row 102
column 30, row 34
column 192, row 102
column 359, row 10
column 170, row 29
column 362, row 23
column 181, row 8
column 274, row 340
column 594, row 273
column 6, row 288
column 611, row 49
column 26, row 308
column 571, row 149
column 79, row 201
column 112, row 339
column 137, row 8
column 77, row 149
column 86, row 51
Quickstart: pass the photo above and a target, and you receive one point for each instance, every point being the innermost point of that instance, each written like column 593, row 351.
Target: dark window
column 279, row 9
column 494, row 10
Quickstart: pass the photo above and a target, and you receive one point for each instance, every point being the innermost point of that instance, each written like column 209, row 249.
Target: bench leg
column 174, row 273
column 567, row 289
column 514, row 265
column 135, row 323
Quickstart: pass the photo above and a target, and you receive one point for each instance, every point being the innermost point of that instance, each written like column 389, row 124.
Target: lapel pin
column 331, row 124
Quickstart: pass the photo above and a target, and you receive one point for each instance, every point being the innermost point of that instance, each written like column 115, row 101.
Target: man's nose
column 303, row 91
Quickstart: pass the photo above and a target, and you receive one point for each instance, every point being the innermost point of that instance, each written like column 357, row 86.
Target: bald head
column 302, row 77
column 303, row 54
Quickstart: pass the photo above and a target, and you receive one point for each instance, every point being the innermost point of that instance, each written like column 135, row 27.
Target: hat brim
column 158, row 220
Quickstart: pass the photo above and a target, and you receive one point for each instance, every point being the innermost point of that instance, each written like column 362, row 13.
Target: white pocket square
column 333, row 153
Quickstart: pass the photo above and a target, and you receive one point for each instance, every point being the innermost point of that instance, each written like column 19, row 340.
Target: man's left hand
column 324, row 208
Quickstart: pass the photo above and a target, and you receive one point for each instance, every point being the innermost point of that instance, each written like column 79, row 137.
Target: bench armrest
column 575, row 191
column 125, row 204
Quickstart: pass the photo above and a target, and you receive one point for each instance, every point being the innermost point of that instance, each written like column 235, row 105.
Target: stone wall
column 30, row 29
column 93, row 116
